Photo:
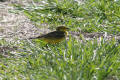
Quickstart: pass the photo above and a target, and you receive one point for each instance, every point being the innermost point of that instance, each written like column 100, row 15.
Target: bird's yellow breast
column 53, row 41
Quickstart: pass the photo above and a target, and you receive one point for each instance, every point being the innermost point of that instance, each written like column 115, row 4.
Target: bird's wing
column 55, row 34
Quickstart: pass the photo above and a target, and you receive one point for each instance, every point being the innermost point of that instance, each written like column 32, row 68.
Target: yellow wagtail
column 55, row 36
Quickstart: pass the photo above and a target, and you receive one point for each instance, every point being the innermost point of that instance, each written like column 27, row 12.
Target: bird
column 55, row 36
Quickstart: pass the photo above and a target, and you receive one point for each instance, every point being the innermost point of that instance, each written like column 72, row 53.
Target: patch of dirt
column 94, row 35
column 5, row 50
column 14, row 26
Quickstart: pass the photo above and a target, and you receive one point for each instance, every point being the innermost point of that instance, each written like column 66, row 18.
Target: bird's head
column 62, row 28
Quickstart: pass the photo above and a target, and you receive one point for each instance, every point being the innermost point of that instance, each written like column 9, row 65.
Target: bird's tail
column 32, row 38
column 36, row 37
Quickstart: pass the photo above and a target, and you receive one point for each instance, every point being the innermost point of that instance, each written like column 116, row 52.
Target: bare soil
column 14, row 25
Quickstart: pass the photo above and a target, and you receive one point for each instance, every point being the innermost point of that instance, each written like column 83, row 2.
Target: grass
column 92, row 16
column 66, row 61
column 96, row 59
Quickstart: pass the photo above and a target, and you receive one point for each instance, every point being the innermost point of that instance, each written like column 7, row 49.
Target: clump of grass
column 68, row 61
column 71, row 60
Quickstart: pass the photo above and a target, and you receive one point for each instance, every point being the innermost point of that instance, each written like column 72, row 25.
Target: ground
column 17, row 26
column 14, row 25
column 85, row 55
